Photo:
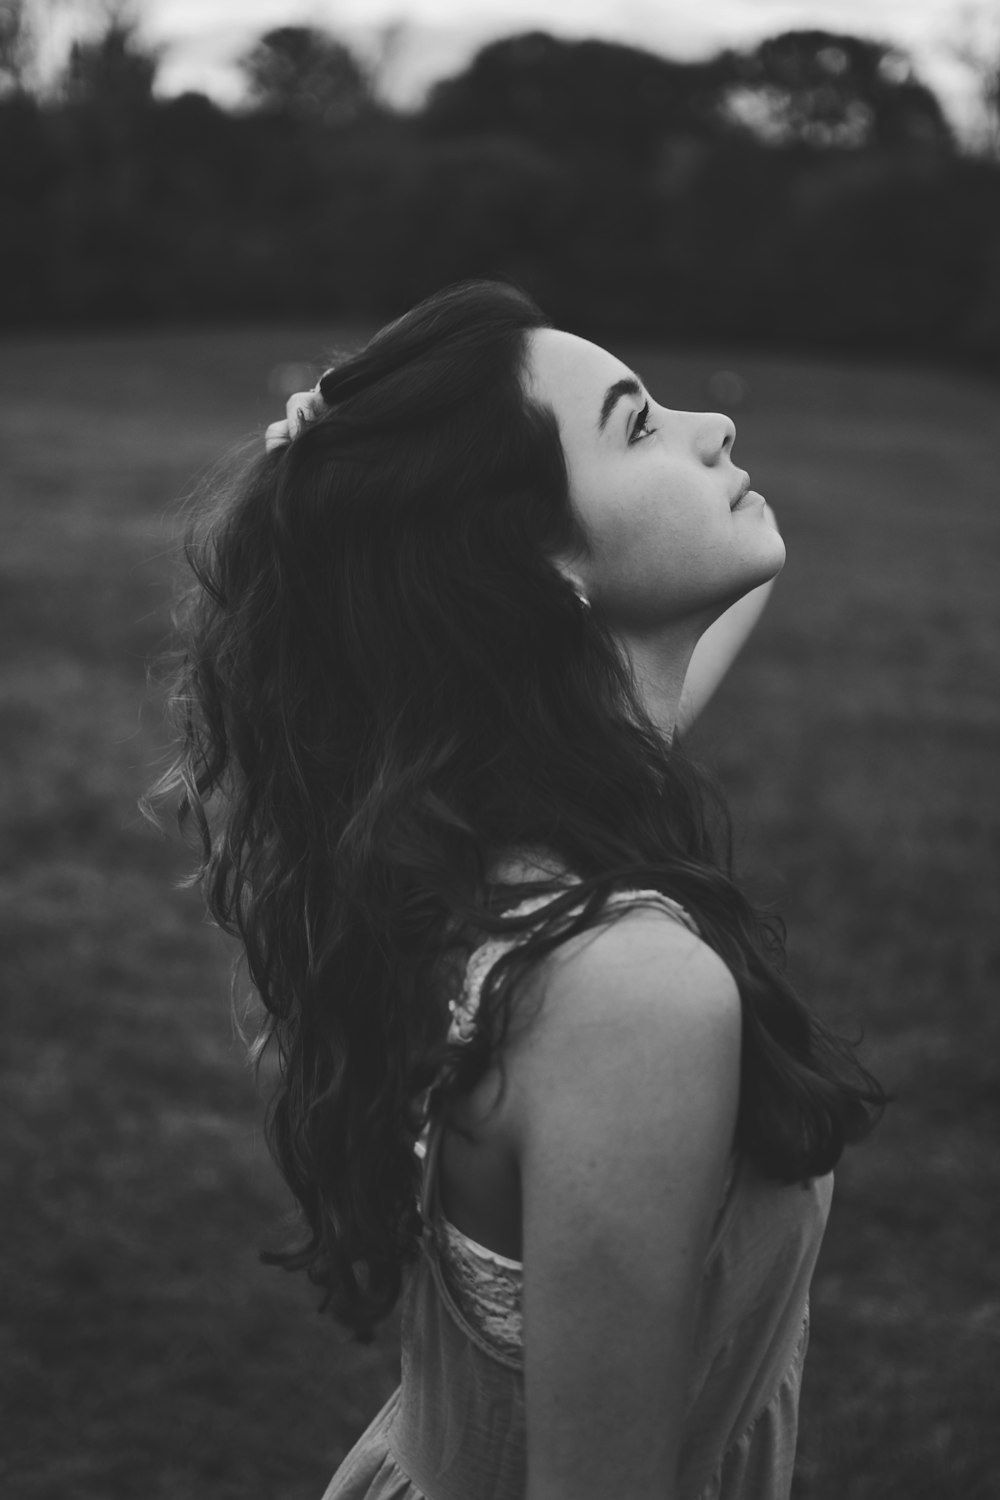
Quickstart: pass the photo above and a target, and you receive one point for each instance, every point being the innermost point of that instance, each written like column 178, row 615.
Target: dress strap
column 466, row 1007
column 428, row 1149
column 656, row 898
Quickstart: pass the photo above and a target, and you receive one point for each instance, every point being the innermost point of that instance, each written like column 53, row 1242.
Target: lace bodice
column 485, row 1286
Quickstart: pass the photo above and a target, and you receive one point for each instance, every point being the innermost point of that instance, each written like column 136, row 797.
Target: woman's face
column 654, row 490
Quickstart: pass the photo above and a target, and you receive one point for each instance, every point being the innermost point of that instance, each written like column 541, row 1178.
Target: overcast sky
column 202, row 38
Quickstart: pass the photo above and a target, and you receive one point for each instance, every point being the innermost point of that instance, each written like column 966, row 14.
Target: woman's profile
column 541, row 1076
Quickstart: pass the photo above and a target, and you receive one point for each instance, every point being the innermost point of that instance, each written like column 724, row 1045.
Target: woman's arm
column 624, row 1091
column 718, row 648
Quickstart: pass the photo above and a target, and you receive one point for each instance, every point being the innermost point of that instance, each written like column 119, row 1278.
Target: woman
column 538, row 1064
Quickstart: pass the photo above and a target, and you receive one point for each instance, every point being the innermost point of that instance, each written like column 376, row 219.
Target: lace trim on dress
column 486, row 1287
column 464, row 1010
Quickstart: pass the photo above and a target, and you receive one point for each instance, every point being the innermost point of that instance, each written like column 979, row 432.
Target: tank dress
column 455, row 1427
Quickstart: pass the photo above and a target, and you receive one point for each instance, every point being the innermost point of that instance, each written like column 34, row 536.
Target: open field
column 147, row 1354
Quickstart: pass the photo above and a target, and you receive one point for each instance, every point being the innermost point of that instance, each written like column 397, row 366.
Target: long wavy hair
column 382, row 680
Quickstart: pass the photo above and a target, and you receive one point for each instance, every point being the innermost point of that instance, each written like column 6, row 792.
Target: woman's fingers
column 276, row 436
column 302, row 408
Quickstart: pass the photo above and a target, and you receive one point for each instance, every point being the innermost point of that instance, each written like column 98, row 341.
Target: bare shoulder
column 644, row 967
column 641, row 1000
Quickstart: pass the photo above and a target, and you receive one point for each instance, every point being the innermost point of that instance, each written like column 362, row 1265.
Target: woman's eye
column 641, row 427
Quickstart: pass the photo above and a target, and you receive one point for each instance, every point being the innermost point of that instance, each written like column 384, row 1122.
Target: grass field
column 147, row 1354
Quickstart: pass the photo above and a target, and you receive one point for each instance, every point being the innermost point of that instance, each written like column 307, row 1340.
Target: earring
column 584, row 601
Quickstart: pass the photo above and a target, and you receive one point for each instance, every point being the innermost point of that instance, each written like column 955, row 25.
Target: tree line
column 806, row 191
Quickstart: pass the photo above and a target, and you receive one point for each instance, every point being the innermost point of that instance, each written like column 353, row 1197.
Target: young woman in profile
column 539, row 1069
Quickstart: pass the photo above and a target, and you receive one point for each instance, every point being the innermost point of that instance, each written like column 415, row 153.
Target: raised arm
column 717, row 650
column 625, row 1093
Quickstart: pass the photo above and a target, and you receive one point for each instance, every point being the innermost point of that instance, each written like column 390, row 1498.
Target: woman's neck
column 660, row 666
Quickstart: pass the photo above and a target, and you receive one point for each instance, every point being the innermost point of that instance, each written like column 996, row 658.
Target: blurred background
column 789, row 212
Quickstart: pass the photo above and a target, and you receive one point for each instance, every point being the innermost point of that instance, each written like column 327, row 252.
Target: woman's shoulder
column 648, row 966
column 637, row 998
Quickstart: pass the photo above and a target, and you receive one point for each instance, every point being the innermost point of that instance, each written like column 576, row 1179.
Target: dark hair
column 383, row 680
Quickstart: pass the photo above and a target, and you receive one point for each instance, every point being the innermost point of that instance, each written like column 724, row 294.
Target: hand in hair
column 301, row 409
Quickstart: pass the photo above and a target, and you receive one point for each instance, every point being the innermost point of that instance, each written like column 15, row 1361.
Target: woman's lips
column 744, row 489
column 747, row 499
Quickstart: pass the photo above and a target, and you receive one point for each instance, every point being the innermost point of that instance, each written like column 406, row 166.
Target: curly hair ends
column 383, row 680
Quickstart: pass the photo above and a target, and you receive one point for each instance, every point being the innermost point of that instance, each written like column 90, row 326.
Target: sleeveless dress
column 455, row 1427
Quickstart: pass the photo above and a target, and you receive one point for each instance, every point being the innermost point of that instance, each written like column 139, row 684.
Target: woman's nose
column 714, row 435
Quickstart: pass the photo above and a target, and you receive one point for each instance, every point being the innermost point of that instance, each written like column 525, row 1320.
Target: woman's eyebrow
column 628, row 386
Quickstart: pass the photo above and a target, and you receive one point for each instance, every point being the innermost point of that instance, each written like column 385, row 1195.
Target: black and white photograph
column 500, row 730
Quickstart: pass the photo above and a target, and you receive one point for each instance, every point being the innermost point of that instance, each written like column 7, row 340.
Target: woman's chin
column 771, row 548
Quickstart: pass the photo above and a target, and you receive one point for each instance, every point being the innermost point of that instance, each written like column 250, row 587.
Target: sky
column 201, row 39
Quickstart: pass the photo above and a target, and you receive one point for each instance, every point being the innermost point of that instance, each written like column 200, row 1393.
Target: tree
column 112, row 71
column 580, row 97
column 307, row 75
column 818, row 88
column 979, row 51
column 17, row 46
